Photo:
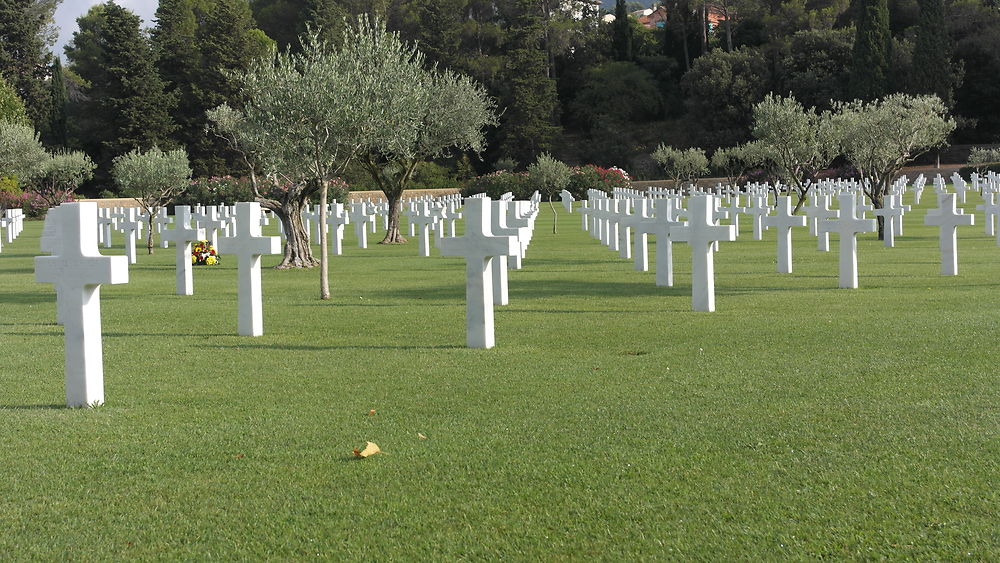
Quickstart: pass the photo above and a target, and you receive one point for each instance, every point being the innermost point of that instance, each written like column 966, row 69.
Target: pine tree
column 24, row 53
column 126, row 106
column 872, row 51
column 528, row 128
column 934, row 71
column 621, row 33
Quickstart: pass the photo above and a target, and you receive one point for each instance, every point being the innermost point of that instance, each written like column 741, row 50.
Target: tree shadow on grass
column 32, row 407
column 311, row 348
column 534, row 289
column 168, row 334
column 27, row 298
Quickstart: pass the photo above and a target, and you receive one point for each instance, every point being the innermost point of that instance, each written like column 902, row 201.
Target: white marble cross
column 659, row 226
column 890, row 210
column 567, row 200
column 701, row 232
column 783, row 221
column 733, row 211
column 210, row 221
column 162, row 221
column 182, row 235
column 848, row 225
column 105, row 222
column 130, row 226
column 948, row 218
column 336, row 219
column 479, row 247
column 758, row 210
column 248, row 245
column 77, row 269
column 425, row 217
column 991, row 209
column 498, row 227
column 360, row 217
column 640, row 244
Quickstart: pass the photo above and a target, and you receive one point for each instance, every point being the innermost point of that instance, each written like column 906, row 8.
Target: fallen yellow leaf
column 370, row 449
column 421, row 436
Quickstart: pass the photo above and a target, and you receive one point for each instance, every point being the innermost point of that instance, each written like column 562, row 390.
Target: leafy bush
column 430, row 175
column 217, row 190
column 495, row 184
column 591, row 177
column 548, row 175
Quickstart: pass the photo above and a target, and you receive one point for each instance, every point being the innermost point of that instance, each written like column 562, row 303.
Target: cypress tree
column 621, row 33
column 934, row 72
column 528, row 127
column 57, row 134
column 872, row 51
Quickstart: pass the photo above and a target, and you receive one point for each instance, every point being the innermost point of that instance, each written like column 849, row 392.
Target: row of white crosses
column 77, row 270
column 12, row 223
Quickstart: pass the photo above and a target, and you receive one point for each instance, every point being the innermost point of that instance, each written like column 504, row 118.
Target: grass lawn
column 798, row 421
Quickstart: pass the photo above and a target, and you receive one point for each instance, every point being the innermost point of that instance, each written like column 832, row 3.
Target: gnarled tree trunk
column 298, row 253
column 392, row 234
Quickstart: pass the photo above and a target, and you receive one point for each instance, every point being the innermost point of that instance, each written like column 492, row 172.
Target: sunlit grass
column 797, row 421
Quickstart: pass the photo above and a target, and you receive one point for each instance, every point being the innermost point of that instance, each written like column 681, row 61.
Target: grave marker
column 78, row 270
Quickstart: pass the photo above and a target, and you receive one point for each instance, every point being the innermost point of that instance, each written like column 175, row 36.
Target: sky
column 69, row 10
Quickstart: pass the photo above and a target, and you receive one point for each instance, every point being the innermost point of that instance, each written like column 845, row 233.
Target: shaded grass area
column 798, row 421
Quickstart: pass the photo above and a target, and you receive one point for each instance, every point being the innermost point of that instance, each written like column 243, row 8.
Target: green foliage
column 125, row 104
column 983, row 155
column 153, row 177
column 57, row 131
column 870, row 63
column 880, row 137
column 934, row 71
column 61, row 175
column 721, row 90
column 530, row 106
column 21, row 153
column 11, row 107
column 814, row 66
column 548, row 175
column 24, row 54
column 621, row 33
column 592, row 177
column 216, row 190
column 734, row 162
column 431, row 175
column 620, row 91
column 681, row 165
column 799, row 142
column 496, row 184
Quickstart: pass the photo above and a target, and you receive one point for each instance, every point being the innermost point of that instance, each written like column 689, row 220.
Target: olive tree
column 153, row 178
column 797, row 142
column 61, row 174
column 297, row 130
column 734, row 162
column 411, row 114
column 881, row 136
column 681, row 165
column 22, row 156
column 549, row 176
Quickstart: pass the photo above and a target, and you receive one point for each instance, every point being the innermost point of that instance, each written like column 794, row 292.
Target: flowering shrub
column 594, row 177
column 495, row 184
column 203, row 254
column 217, row 190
